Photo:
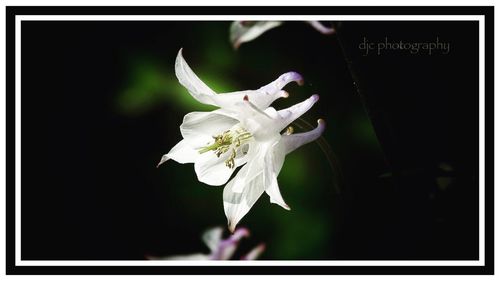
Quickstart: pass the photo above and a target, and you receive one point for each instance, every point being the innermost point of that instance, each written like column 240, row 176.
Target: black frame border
column 486, row 11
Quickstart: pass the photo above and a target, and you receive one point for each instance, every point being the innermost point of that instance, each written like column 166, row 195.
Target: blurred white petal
column 321, row 28
column 213, row 237
column 241, row 32
column 220, row 249
column 244, row 31
column 255, row 252
column 226, row 248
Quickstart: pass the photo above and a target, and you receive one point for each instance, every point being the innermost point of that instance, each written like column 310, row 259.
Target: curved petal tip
column 315, row 98
column 284, row 94
column 179, row 54
column 295, row 76
column 321, row 126
column 163, row 159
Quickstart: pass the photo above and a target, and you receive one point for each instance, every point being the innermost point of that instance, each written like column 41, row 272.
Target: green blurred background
column 101, row 105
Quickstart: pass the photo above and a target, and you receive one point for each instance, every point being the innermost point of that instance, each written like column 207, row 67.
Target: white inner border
column 20, row 18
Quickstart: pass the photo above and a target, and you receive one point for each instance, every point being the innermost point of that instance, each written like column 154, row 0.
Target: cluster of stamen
column 229, row 140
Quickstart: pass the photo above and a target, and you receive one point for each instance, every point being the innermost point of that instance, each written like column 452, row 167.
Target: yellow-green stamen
column 230, row 139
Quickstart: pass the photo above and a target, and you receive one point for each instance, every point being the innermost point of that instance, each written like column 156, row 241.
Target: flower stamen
column 231, row 139
column 230, row 161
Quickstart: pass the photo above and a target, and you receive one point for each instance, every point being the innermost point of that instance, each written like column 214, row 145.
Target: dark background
column 101, row 104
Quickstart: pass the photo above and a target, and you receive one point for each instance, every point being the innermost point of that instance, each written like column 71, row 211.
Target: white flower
column 244, row 130
column 219, row 249
column 244, row 31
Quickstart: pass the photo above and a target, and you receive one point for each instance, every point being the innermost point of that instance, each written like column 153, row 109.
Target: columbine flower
column 244, row 31
column 220, row 249
column 244, row 130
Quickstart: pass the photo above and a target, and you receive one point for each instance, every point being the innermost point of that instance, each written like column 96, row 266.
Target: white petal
column 182, row 153
column 198, row 128
column 274, row 160
column 321, row 28
column 272, row 91
column 237, row 205
column 202, row 93
column 289, row 115
column 213, row 237
column 163, row 159
column 262, row 124
column 212, row 170
column 247, row 110
column 240, row 32
column 228, row 100
column 275, row 195
column 264, row 96
column 199, row 90
column 254, row 167
column 294, row 141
